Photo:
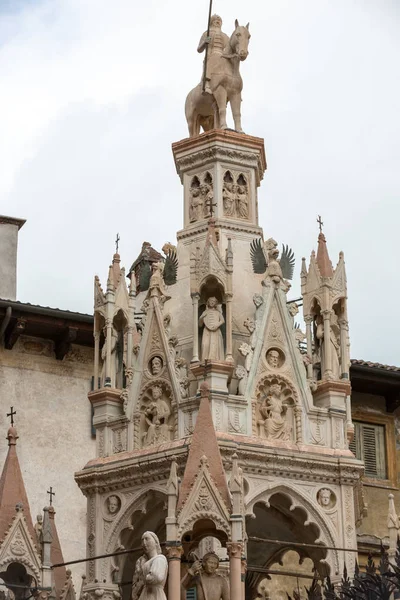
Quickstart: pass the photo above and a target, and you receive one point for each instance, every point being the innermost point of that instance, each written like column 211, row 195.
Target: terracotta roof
column 374, row 365
column 27, row 306
column 323, row 260
column 12, row 488
column 204, row 443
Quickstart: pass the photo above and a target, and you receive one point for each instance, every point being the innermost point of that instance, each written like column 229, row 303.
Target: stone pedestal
column 109, row 421
column 216, row 373
column 223, row 167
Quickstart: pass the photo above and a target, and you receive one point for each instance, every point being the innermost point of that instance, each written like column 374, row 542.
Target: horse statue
column 225, row 83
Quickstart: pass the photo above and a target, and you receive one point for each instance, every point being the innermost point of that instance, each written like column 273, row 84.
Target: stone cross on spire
column 51, row 494
column 11, row 415
column 320, row 223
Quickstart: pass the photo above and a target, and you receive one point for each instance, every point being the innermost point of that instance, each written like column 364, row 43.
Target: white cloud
column 92, row 95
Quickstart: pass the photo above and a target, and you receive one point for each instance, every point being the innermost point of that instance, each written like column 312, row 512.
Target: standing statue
column 212, row 345
column 223, row 81
column 203, row 576
column 150, row 571
column 273, row 409
column 334, row 368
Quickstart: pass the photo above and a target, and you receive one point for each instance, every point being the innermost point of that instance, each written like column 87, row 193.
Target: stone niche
column 155, row 421
column 275, row 410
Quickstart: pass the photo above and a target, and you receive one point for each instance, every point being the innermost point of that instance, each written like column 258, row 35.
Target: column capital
column 235, row 549
column 174, row 552
column 326, row 313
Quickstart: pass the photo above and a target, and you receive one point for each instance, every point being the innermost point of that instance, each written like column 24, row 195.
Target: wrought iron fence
column 377, row 582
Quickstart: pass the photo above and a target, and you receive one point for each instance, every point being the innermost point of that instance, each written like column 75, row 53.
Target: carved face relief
column 326, row 498
column 274, row 359
column 156, row 365
column 113, row 504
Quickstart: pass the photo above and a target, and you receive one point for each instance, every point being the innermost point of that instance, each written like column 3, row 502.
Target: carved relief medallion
column 112, row 505
column 326, row 498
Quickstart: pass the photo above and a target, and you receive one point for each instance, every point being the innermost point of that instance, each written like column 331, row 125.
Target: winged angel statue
column 264, row 258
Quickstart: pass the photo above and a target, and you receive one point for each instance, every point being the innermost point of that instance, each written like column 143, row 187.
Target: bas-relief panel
column 236, row 194
column 201, row 196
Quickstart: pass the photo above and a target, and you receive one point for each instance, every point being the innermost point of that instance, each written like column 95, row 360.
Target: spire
column 323, row 260
column 204, row 443
column 56, row 555
column 12, row 488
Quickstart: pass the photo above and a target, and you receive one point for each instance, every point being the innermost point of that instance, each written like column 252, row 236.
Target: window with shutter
column 368, row 445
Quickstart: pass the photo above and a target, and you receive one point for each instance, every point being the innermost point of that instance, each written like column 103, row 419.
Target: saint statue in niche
column 212, row 345
column 151, row 570
column 156, row 416
column 196, row 205
column 274, row 409
column 333, row 341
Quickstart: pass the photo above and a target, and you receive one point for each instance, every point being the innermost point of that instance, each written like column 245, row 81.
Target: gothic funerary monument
column 222, row 430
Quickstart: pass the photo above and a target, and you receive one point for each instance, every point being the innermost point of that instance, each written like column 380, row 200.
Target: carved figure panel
column 201, row 197
column 276, row 417
column 156, row 419
column 235, row 195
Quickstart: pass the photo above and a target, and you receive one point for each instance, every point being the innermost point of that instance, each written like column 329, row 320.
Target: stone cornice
column 12, row 221
column 306, row 463
column 227, row 146
column 225, row 224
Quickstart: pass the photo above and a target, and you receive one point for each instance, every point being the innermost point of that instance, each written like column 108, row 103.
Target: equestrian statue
column 206, row 103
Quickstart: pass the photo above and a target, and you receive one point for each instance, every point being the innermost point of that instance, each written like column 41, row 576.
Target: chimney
column 9, row 227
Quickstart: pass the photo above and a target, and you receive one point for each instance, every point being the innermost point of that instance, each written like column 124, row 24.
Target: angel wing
column 287, row 262
column 257, row 256
column 170, row 268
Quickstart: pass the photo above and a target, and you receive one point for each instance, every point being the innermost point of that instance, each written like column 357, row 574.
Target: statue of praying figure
column 212, row 345
column 273, row 410
column 150, row 571
column 203, row 576
column 156, row 417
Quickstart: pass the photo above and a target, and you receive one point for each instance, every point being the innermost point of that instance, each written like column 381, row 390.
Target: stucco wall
column 54, row 426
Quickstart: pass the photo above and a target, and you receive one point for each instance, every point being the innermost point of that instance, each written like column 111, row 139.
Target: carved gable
column 203, row 502
column 160, row 380
column 277, row 378
column 18, row 546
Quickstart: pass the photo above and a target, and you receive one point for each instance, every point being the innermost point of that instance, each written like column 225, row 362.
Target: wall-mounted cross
column 117, row 243
column 51, row 494
column 11, row 414
column 320, row 223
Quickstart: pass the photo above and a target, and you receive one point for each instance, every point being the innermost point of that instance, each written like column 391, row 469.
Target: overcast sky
column 92, row 96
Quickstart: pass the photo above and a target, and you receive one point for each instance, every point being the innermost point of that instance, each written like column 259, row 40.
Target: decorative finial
column 51, row 494
column 320, row 223
column 117, row 239
column 11, row 415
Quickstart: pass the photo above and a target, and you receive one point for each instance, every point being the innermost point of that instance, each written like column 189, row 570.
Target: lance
column 206, row 55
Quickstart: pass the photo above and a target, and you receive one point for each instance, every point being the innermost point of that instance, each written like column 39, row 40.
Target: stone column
column 195, row 304
column 228, row 353
column 308, row 321
column 344, row 359
column 243, row 577
column 327, row 374
column 107, row 381
column 174, row 554
column 96, row 359
column 129, row 347
column 235, row 569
